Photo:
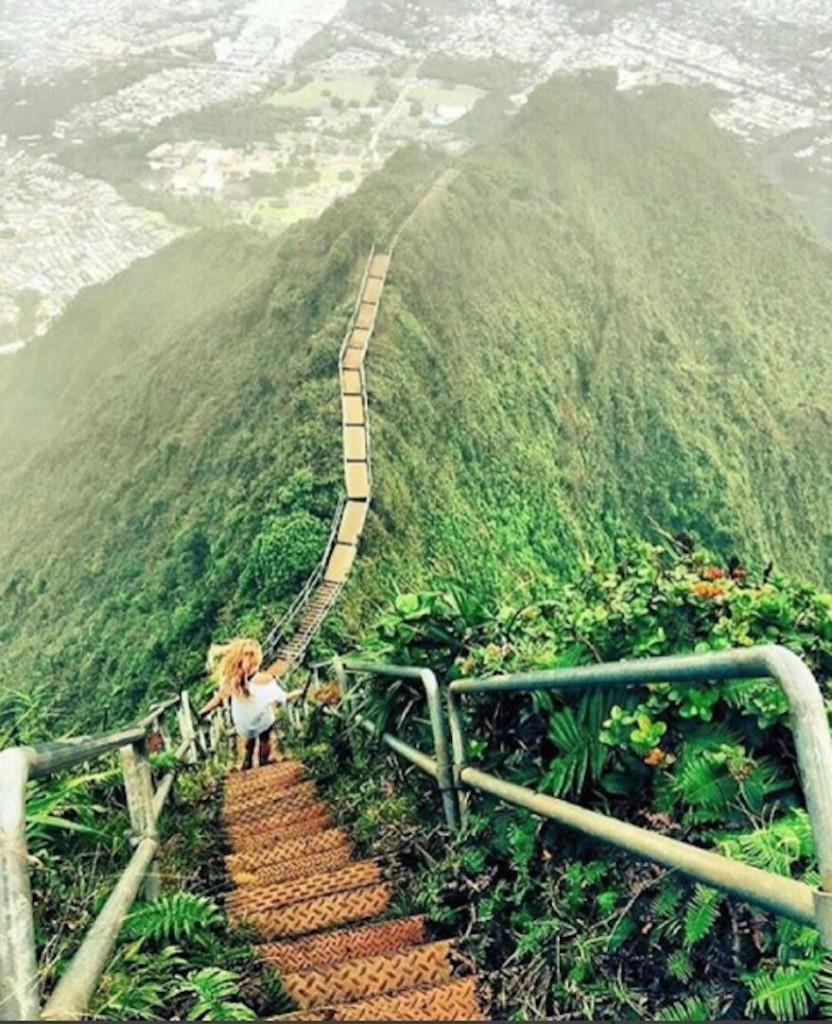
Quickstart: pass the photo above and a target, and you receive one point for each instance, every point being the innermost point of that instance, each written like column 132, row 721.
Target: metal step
column 345, row 943
column 323, row 912
column 263, row 803
column 273, row 819
column 454, row 1001
column 263, row 838
column 301, row 846
column 256, row 900
column 299, row 867
column 383, row 974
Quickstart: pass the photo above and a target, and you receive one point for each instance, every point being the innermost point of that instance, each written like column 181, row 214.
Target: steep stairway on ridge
column 332, row 574
column 320, row 913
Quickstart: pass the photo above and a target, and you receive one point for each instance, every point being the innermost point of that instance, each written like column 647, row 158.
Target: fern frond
column 713, row 736
column 776, row 847
column 664, row 913
column 701, row 914
column 706, row 786
column 792, row 937
column 212, row 987
column 693, row 1008
column 666, row 901
column 763, row 783
column 679, row 966
column 823, row 981
column 576, row 734
column 784, row 993
column 175, row 917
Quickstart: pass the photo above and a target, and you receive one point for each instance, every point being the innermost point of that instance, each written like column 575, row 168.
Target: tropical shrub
column 584, row 931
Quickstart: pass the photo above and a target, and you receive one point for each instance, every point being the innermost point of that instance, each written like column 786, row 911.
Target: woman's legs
column 265, row 751
column 249, row 755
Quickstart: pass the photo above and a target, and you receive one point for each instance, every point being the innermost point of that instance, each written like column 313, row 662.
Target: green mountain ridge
column 607, row 320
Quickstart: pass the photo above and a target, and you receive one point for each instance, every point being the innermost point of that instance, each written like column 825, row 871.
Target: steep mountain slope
column 606, row 319
column 150, row 449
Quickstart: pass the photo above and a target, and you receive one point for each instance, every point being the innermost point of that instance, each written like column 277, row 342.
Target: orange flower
column 329, row 694
column 706, row 590
column 657, row 758
column 712, row 572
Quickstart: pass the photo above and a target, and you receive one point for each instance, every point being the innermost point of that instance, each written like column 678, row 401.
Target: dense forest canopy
column 585, row 335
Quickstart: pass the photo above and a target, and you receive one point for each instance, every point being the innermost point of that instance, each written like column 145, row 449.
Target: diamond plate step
column 255, row 900
column 344, row 944
column 454, row 1001
column 271, row 778
column 363, row 978
column 300, row 867
column 272, row 821
column 252, row 842
column 304, row 1015
column 301, row 795
column 302, row 846
column 323, row 912
column 274, row 774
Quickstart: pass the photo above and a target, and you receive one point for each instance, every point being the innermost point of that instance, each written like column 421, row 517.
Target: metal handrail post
column 153, row 716
column 76, row 986
column 813, row 743
column 444, row 771
column 785, row 896
column 187, row 728
column 457, row 728
column 445, row 775
column 18, row 965
column 138, row 784
column 46, row 758
column 19, row 996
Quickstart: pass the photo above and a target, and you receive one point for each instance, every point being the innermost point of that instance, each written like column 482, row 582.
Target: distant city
column 124, row 125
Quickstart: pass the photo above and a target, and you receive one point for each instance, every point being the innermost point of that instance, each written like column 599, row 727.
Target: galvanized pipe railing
column 279, row 632
column 793, row 899
column 440, row 766
column 19, row 996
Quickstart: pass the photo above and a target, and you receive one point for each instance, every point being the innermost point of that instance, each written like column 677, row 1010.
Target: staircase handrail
column 789, row 898
column 280, row 631
column 356, row 306
column 19, row 997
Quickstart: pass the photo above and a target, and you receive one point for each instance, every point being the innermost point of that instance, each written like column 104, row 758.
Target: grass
column 311, row 96
column 436, row 95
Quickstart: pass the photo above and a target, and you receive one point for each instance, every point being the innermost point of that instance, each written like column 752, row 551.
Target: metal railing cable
column 282, row 631
column 457, row 780
column 19, row 991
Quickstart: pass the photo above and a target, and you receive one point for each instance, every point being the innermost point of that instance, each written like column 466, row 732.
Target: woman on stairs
column 236, row 668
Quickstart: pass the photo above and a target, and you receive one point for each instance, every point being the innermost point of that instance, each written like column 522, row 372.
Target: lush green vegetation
column 567, row 929
column 605, row 327
column 576, row 343
column 591, row 320
column 158, row 455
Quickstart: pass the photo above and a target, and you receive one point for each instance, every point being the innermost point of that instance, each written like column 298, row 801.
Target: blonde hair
column 231, row 664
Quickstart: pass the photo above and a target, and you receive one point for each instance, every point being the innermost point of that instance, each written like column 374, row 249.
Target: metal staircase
column 286, row 645
column 320, row 914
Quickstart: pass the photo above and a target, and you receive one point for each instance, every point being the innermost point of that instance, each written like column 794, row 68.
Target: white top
column 254, row 714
